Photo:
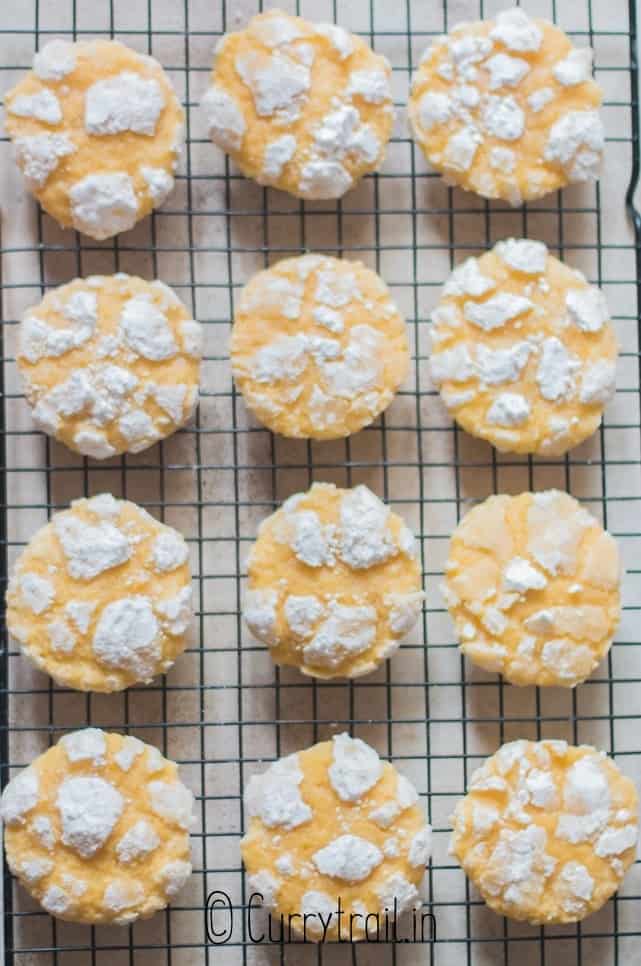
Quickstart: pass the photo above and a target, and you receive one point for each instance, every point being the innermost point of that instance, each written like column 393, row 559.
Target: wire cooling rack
column 224, row 710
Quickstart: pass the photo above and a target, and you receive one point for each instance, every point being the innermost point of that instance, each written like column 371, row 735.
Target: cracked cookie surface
column 334, row 821
column 508, row 108
column 96, row 828
column 523, row 350
column 98, row 131
column 547, row 830
column 110, row 364
column 303, row 107
column 334, row 582
column 101, row 598
column 318, row 348
column 533, row 586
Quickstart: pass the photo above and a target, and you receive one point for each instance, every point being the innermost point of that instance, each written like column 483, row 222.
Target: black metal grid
column 223, row 709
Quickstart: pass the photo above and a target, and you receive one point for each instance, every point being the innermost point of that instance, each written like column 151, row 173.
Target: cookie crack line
column 506, row 108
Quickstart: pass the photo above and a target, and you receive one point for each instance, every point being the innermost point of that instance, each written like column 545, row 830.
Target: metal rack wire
column 223, row 710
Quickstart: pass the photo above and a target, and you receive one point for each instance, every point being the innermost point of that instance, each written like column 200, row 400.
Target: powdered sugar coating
column 101, row 165
column 523, row 350
column 348, row 857
column 115, row 605
column 312, row 835
column 533, row 585
column 338, row 368
column 302, row 107
column 84, row 354
column 117, row 859
column 507, row 108
column 275, row 796
column 541, row 857
column 319, row 575
column 89, row 808
column 123, row 102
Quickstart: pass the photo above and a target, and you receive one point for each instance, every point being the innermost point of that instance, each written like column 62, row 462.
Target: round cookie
column 98, row 131
column 96, row 828
column 100, row 598
column 546, row 830
column 334, row 582
column 334, row 823
column 303, row 107
column 523, row 351
column 507, row 108
column 110, row 364
column 318, row 349
column 533, row 587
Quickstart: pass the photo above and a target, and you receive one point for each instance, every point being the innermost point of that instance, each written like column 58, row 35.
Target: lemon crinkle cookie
column 334, row 582
column 98, row 131
column 547, row 830
column 110, row 364
column 523, row 350
column 533, row 586
column 96, row 828
column 318, row 349
column 508, row 108
column 303, row 107
column 101, row 596
column 334, row 822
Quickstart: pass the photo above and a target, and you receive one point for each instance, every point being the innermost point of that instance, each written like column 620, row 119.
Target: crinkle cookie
column 508, row 108
column 303, row 107
column 96, row 828
column 334, row 822
column 546, row 830
column 334, row 582
column 533, row 586
column 98, row 131
column 318, row 348
column 523, row 350
column 100, row 598
column 110, row 364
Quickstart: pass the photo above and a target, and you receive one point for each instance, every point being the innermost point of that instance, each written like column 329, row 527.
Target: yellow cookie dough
column 101, row 596
column 334, row 822
column 508, row 108
column 96, row 828
column 533, row 586
column 110, row 364
column 98, row 131
column 303, row 107
column 546, row 830
column 523, row 351
column 318, row 349
column 334, row 582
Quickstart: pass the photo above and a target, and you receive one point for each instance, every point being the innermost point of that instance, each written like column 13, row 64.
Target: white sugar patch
column 355, row 768
column 89, row 808
column 37, row 592
column 146, row 330
column 140, row 840
column 42, row 106
column 127, row 637
column 20, row 796
column 348, row 857
column 275, row 796
column 87, row 745
column 103, row 205
column 172, row 801
column 90, row 550
column 123, row 102
column 169, row 551
column 365, row 538
column 55, row 60
column 225, row 121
